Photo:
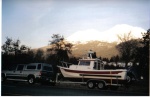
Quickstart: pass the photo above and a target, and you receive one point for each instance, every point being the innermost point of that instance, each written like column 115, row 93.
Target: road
column 23, row 89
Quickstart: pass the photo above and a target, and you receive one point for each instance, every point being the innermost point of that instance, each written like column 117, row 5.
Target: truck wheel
column 90, row 84
column 101, row 85
column 31, row 80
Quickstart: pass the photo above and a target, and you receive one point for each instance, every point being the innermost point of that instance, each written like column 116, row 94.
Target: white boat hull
column 93, row 74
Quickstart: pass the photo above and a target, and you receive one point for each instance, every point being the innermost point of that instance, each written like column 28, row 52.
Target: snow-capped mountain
column 106, row 36
column 103, row 43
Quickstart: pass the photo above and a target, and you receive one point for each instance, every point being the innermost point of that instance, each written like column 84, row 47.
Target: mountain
column 103, row 43
column 102, row 49
column 106, row 36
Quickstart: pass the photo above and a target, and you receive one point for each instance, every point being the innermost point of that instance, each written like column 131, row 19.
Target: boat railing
column 65, row 64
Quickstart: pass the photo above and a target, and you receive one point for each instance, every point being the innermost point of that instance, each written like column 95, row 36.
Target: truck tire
column 90, row 84
column 101, row 85
column 31, row 80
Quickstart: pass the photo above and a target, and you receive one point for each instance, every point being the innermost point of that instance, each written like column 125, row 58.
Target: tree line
column 135, row 50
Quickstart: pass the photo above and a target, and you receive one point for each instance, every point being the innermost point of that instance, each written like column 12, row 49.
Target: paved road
column 23, row 89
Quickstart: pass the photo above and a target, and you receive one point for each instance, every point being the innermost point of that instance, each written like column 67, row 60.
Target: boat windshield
column 84, row 63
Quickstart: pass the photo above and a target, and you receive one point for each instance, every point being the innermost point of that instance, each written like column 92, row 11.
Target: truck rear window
column 31, row 67
column 47, row 68
column 39, row 66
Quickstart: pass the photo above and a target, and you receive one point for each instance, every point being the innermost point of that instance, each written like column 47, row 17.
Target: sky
column 33, row 22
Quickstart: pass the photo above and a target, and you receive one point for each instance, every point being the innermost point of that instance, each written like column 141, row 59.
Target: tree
column 125, row 37
column 127, row 47
column 114, row 59
column 14, row 53
column 13, row 47
column 143, row 53
column 7, row 47
column 105, row 59
column 60, row 48
column 39, row 56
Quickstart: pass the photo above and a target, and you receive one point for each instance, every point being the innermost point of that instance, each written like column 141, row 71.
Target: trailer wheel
column 90, row 84
column 101, row 85
column 128, row 79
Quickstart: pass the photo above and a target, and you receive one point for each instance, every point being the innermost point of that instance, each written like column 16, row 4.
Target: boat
column 92, row 68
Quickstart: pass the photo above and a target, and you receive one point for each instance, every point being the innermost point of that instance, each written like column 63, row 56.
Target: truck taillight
column 40, row 73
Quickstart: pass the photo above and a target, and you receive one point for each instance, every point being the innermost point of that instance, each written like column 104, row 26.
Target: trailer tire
column 101, row 85
column 129, row 79
column 90, row 84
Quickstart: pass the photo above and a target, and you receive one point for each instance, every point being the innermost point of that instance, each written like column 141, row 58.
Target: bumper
column 42, row 79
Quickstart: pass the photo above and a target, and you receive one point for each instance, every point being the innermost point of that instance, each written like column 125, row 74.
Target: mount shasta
column 103, row 43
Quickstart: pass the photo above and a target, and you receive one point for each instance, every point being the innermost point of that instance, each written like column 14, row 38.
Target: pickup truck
column 33, row 72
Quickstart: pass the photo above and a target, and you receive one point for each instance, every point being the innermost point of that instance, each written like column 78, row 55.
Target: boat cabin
column 89, row 63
